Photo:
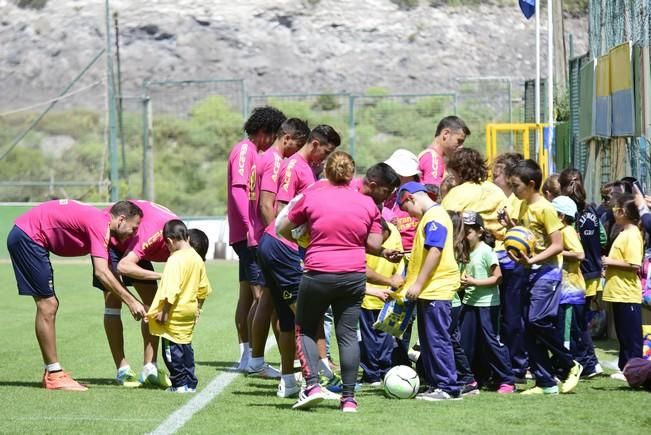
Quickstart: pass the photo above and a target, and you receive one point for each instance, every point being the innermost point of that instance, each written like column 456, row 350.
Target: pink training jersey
column 432, row 166
column 338, row 234
column 406, row 224
column 296, row 176
column 68, row 228
column 148, row 243
column 267, row 170
column 241, row 169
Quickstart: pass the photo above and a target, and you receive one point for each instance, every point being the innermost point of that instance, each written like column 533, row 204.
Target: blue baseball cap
column 409, row 188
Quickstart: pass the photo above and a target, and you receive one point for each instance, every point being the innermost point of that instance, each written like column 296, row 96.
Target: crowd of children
column 486, row 318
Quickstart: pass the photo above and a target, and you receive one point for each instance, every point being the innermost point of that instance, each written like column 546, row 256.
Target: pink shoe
column 506, row 389
column 348, row 405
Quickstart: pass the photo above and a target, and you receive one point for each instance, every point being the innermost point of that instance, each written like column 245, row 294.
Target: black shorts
column 283, row 270
column 114, row 257
column 249, row 268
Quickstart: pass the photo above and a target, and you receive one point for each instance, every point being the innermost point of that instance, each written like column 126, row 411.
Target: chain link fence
column 56, row 148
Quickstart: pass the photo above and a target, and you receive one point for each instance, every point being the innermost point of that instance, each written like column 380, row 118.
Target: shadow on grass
column 225, row 366
column 97, row 381
column 324, row 405
column 619, row 388
column 21, row 384
column 261, row 393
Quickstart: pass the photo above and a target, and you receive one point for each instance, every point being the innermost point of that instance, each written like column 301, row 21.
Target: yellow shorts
column 592, row 286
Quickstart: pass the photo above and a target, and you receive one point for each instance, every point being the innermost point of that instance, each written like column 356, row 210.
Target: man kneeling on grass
column 177, row 305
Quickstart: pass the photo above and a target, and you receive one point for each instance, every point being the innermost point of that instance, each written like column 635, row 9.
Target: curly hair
column 505, row 161
column 266, row 119
column 340, row 168
column 469, row 165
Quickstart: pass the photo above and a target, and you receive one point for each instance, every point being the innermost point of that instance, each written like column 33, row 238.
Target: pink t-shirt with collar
column 432, row 166
column 338, row 233
column 68, row 228
column 267, row 172
column 241, row 172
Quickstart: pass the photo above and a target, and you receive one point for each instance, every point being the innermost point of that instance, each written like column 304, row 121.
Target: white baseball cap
column 565, row 205
column 404, row 162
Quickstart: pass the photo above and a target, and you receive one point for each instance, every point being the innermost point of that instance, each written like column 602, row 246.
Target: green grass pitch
column 249, row 405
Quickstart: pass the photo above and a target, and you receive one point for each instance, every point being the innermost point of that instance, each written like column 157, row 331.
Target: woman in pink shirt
column 335, row 266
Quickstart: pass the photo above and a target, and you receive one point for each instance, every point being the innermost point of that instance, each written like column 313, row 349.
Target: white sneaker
column 265, row 371
column 284, row 391
column 183, row 389
column 308, row 400
column 329, row 395
column 244, row 362
column 618, row 376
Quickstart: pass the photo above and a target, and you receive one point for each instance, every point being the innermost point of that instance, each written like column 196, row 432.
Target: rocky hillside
column 275, row 45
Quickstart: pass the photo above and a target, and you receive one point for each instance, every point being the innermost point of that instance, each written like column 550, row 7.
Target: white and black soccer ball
column 401, row 382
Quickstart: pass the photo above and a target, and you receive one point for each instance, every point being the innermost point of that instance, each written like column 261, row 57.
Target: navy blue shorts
column 249, row 268
column 283, row 270
column 115, row 256
column 32, row 266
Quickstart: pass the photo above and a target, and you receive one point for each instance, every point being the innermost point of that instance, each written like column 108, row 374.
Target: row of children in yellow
column 485, row 316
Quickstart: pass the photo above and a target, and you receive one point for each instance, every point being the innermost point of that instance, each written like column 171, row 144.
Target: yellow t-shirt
column 435, row 229
column 542, row 219
column 383, row 267
column 573, row 285
column 485, row 198
column 623, row 285
column 184, row 281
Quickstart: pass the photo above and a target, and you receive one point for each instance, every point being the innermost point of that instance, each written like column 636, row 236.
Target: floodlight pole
column 550, row 84
column 537, row 82
column 112, row 116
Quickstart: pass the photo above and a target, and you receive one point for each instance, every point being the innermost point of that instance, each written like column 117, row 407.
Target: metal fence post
column 351, row 125
column 147, row 147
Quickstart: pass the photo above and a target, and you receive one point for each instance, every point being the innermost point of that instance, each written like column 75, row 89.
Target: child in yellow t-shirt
column 623, row 288
column 432, row 280
column 382, row 277
column 542, row 295
column 177, row 304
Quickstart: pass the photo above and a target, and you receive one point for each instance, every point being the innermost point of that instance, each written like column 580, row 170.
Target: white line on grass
column 182, row 415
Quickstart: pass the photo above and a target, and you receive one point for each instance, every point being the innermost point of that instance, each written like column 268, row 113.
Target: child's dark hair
column 175, row 230
column 568, row 220
column 606, row 192
column 434, row 192
column 266, row 118
column 199, row 241
column 469, row 165
column 571, row 182
column 626, row 202
column 528, row 170
column 459, row 241
column 447, row 184
column 486, row 236
column 296, row 128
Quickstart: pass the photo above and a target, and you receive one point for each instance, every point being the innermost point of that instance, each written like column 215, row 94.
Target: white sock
column 289, row 380
column 124, row 369
column 245, row 350
column 54, row 367
column 149, row 369
column 324, row 368
column 256, row 362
